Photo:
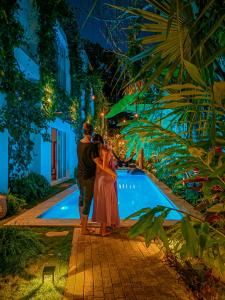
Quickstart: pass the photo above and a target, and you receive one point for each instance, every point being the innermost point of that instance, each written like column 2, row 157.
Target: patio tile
column 56, row 233
column 115, row 267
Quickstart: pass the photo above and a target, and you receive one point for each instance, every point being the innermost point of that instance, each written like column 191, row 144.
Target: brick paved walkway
column 114, row 267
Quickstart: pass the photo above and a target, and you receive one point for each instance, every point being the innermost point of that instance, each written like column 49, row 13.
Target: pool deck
column 30, row 217
column 115, row 267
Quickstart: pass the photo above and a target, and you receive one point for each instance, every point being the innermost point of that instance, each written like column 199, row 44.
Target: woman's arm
column 99, row 163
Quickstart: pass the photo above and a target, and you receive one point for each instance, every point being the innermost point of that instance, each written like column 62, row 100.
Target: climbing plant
column 21, row 114
column 29, row 105
column 69, row 105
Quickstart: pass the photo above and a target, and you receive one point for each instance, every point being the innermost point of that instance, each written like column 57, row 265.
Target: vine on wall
column 22, row 114
column 29, row 106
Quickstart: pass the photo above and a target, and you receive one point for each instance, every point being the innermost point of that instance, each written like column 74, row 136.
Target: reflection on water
column 134, row 192
column 126, row 186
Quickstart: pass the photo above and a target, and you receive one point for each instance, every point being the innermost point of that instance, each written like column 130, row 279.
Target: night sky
column 98, row 25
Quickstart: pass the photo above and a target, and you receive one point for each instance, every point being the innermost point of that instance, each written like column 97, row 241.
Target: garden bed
column 27, row 283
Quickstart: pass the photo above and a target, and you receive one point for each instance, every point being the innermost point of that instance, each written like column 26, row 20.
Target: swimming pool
column 134, row 192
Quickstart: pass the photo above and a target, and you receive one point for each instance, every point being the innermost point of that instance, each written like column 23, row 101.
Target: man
column 86, row 152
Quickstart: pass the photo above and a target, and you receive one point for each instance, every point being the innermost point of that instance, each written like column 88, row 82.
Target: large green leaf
column 190, row 237
column 193, row 72
column 122, row 104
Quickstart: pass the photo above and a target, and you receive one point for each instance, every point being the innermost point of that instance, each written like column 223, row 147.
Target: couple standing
column 96, row 176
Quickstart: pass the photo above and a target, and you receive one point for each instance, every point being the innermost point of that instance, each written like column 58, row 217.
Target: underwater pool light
column 64, row 207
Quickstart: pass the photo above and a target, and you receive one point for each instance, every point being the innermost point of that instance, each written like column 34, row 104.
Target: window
column 63, row 64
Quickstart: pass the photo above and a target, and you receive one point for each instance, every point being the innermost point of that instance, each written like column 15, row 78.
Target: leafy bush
column 17, row 246
column 174, row 182
column 32, row 187
column 14, row 204
column 190, row 239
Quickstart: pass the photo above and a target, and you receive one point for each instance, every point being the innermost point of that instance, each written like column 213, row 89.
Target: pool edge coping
column 179, row 202
column 30, row 217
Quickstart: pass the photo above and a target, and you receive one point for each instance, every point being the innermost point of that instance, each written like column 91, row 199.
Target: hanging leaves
column 192, row 238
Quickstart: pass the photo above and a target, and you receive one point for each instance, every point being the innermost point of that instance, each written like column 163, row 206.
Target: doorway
column 58, row 169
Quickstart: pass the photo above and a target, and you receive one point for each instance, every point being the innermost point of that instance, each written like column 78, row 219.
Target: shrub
column 17, row 246
column 14, row 204
column 32, row 187
column 174, row 182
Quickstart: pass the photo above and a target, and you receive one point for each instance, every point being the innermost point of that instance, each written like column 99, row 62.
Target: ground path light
column 48, row 271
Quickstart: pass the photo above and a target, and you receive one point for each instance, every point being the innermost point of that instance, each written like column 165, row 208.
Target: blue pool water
column 134, row 192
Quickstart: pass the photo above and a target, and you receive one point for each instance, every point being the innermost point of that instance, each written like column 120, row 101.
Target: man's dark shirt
column 86, row 152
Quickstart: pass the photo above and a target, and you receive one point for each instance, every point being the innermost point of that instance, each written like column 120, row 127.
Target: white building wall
column 27, row 64
column 42, row 151
column 27, row 15
column 82, row 99
column 92, row 103
column 3, row 155
column 41, row 162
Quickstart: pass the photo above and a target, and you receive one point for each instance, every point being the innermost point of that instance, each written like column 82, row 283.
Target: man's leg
column 88, row 187
column 81, row 197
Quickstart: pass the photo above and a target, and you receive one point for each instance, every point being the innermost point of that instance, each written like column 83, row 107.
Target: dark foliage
column 14, row 204
column 17, row 246
column 32, row 187
column 199, row 278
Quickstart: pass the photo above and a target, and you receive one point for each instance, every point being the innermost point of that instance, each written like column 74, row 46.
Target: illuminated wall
column 42, row 152
column 3, row 155
column 26, row 57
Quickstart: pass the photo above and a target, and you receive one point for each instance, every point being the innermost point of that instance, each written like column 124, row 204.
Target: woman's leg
column 103, row 230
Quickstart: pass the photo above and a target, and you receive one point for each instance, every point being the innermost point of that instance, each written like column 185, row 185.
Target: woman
column 105, row 193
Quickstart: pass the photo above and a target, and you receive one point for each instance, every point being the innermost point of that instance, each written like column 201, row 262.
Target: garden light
column 93, row 97
column 48, row 271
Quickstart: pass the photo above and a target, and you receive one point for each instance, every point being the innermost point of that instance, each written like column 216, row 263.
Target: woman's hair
column 97, row 138
column 88, row 128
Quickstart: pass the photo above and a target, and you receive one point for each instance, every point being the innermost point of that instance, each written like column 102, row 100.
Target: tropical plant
column 184, row 123
column 181, row 108
column 17, row 246
column 14, row 204
column 179, row 32
column 192, row 238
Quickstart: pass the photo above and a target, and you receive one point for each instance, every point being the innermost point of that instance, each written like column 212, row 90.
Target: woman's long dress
column 105, row 199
